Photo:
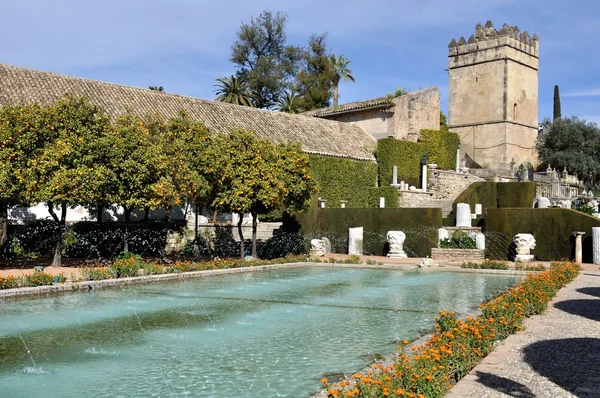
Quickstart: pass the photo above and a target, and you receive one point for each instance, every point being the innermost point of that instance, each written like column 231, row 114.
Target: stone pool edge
column 137, row 280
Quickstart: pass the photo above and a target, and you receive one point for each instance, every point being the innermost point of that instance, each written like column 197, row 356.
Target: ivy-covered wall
column 343, row 179
column 552, row 229
column 420, row 226
column 440, row 147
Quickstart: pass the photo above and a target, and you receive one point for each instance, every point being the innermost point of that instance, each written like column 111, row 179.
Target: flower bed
column 487, row 264
column 37, row 278
column 457, row 345
column 130, row 265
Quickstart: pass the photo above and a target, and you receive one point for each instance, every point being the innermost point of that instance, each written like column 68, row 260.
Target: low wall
column 457, row 254
column 446, row 184
column 413, row 198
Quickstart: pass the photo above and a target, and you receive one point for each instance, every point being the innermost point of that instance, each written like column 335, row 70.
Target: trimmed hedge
column 389, row 193
column 440, row 147
column 343, row 179
column 497, row 194
column 552, row 229
column 420, row 226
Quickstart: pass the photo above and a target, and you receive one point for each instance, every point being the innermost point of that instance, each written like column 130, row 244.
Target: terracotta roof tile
column 318, row 136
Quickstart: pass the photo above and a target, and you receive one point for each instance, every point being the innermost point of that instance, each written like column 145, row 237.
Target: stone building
column 402, row 117
column 493, row 96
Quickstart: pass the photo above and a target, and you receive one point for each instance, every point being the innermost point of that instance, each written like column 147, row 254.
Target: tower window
column 476, row 79
column 515, row 112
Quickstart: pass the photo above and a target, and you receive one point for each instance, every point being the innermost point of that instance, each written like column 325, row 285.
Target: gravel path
column 557, row 355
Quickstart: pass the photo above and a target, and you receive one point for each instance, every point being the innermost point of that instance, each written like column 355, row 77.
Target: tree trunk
column 214, row 216
column 254, row 224
column 99, row 211
column 127, row 212
column 335, row 95
column 57, row 261
column 242, row 249
column 3, row 223
column 196, row 246
column 167, row 215
column 146, row 214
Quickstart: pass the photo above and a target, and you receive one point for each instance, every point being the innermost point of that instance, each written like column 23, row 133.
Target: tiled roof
column 318, row 136
column 383, row 102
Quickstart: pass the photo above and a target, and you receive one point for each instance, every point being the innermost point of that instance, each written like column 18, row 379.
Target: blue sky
column 184, row 45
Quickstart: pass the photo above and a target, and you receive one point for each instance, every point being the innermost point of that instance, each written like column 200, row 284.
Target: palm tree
column 156, row 88
column 341, row 71
column 234, row 90
column 287, row 102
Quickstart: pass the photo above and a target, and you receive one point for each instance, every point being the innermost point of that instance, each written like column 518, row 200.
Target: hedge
column 552, row 229
column 343, row 179
column 440, row 147
column 389, row 193
column 420, row 226
column 497, row 194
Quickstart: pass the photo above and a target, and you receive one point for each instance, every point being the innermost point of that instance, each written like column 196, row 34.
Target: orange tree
column 65, row 171
column 20, row 137
column 257, row 176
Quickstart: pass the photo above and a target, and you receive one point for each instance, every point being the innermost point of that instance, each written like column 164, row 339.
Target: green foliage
column 389, row 193
column 156, row 88
column 486, row 264
column 404, row 154
column 37, row 278
column 556, row 114
column 314, row 82
column 343, row 179
column 442, row 147
column 289, row 102
column 520, row 266
column 458, row 240
column 419, row 225
column 127, row 266
column 497, row 194
column 571, row 143
column 234, row 90
column 263, row 58
column 552, row 228
column 341, row 71
column 439, row 146
column 587, row 209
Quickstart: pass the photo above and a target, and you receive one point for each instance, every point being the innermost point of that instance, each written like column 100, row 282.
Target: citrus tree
column 67, row 171
column 258, row 176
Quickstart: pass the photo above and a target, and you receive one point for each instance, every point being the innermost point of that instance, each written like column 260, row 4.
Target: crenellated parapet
column 487, row 37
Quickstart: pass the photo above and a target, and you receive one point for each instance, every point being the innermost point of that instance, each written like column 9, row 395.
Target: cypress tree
column 556, row 113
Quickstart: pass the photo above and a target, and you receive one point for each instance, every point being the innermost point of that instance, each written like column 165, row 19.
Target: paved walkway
column 557, row 355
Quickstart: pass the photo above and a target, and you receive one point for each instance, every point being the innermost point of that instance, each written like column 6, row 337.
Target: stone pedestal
column 478, row 209
column 317, row 248
column 443, row 233
column 327, row 243
column 480, row 241
column 381, row 202
column 424, row 181
column 355, row 241
column 463, row 215
column 578, row 247
column 524, row 243
column 395, row 177
column 396, row 240
column 457, row 159
column 596, row 244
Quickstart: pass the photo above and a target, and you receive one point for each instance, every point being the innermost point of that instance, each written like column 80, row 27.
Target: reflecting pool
column 262, row 334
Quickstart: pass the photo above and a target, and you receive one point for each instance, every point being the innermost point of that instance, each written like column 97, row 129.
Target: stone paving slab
column 557, row 355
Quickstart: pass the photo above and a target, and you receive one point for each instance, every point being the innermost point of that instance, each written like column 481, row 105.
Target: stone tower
column 493, row 96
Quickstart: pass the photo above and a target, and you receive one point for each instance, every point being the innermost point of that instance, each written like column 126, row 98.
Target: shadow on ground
column 591, row 291
column 573, row 364
column 586, row 308
column 504, row 385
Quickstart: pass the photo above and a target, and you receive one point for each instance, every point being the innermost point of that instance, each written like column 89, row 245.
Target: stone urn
column 396, row 241
column 524, row 243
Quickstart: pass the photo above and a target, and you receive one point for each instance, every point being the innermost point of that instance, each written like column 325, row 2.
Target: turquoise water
column 263, row 334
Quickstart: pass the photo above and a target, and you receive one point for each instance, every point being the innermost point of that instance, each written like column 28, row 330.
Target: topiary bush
column 497, row 194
